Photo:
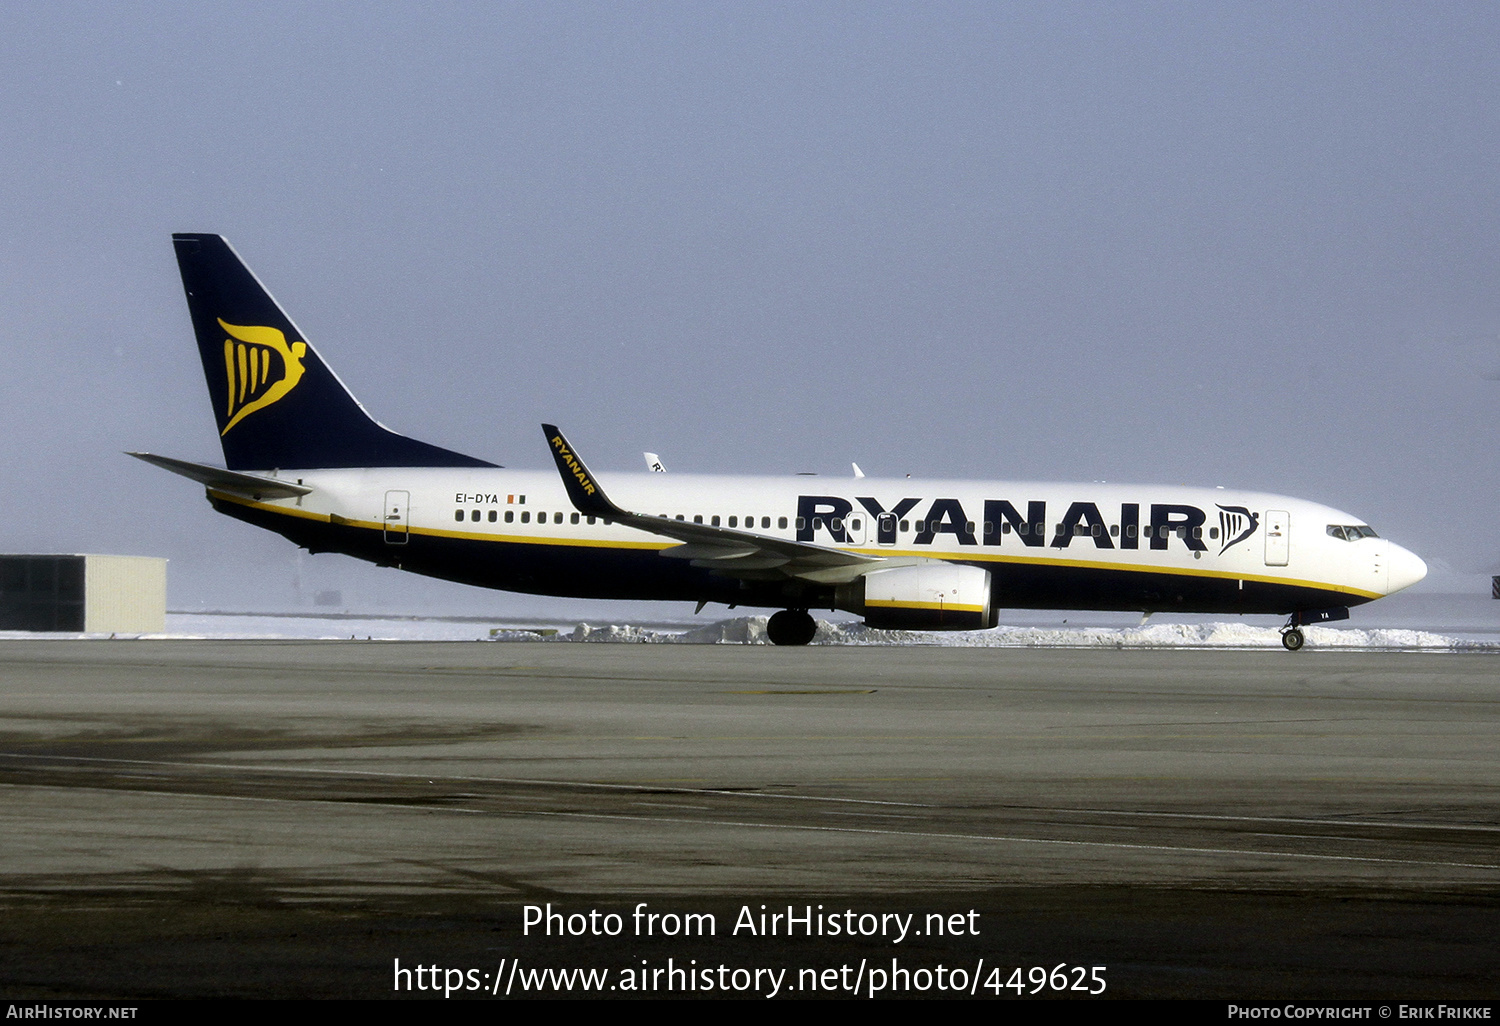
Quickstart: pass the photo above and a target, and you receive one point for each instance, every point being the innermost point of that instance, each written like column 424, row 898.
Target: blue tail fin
column 278, row 405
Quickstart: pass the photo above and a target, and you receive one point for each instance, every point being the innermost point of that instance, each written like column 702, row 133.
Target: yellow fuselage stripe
column 958, row 557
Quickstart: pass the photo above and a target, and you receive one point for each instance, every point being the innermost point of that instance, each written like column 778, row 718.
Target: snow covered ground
column 1433, row 623
column 752, row 630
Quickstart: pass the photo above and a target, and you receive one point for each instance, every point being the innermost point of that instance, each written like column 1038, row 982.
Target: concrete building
column 83, row 593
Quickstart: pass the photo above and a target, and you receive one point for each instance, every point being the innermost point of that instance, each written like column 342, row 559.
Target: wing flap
column 711, row 553
column 742, row 564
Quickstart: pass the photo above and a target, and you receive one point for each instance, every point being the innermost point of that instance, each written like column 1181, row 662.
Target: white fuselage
column 1048, row 545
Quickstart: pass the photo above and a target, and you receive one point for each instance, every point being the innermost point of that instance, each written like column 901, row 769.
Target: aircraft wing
column 250, row 485
column 742, row 554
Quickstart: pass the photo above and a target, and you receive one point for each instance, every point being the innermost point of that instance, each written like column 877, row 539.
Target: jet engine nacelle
column 928, row 597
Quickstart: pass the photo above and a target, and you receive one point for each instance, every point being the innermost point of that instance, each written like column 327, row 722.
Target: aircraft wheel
column 1292, row 639
column 791, row 627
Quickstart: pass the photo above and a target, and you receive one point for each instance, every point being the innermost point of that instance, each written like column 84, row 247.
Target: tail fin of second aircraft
column 277, row 404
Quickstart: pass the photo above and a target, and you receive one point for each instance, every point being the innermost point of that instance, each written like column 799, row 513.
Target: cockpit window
column 1351, row 532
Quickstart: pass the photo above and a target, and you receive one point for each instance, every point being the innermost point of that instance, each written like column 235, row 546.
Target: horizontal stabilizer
column 251, row 485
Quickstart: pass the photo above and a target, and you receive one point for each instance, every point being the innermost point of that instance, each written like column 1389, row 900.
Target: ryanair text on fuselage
column 1000, row 517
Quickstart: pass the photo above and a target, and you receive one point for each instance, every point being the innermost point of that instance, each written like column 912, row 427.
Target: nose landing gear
column 1291, row 634
column 791, row 627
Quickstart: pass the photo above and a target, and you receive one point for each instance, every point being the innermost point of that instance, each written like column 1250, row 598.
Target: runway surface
column 283, row 818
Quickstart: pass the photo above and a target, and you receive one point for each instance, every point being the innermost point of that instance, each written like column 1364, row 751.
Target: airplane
column 304, row 459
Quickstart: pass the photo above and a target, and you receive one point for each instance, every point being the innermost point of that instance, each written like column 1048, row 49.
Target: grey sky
column 1248, row 245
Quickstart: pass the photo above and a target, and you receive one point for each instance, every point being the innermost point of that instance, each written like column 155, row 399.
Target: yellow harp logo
column 251, row 358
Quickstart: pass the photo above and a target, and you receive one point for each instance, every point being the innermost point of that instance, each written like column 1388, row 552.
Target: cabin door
column 1278, row 536
column 397, row 517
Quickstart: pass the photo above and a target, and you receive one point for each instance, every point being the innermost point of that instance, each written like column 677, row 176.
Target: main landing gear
column 1292, row 638
column 791, row 627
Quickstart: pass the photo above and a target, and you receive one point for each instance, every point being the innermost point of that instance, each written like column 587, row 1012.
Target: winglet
column 584, row 491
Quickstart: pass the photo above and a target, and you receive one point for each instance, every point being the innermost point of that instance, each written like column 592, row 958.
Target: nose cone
column 1406, row 569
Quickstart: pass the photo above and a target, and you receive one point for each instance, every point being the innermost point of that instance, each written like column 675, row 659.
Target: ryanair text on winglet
column 573, row 464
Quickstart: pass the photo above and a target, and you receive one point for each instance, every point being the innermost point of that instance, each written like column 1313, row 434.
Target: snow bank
column 751, row 630
column 743, row 630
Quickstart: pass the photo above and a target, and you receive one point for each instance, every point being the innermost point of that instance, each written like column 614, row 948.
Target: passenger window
column 510, row 516
column 1114, row 530
column 698, row 518
column 681, row 517
column 458, row 514
column 854, row 525
column 734, row 521
column 780, row 522
column 969, row 527
column 1023, row 529
column 1130, row 530
column 714, row 522
column 1096, row 530
column 494, row 515
column 1197, row 532
column 590, row 520
column 573, row 519
column 1213, row 532
column 474, row 516
column 906, row 525
column 801, row 522
column 526, row 517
